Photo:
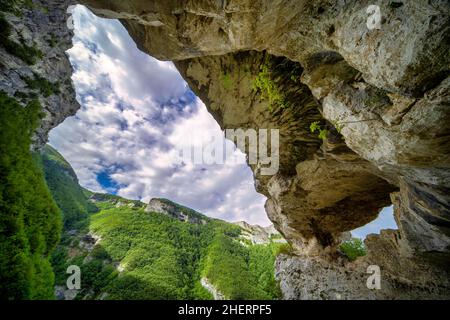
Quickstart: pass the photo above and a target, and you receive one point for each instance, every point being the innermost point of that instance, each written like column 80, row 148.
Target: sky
column 385, row 220
column 137, row 114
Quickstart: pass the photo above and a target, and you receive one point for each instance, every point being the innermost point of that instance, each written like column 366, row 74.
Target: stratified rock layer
column 382, row 93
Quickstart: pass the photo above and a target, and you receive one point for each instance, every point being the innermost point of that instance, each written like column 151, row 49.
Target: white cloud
column 137, row 114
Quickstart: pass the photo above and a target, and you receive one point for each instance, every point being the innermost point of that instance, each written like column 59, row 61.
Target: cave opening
column 331, row 189
column 96, row 73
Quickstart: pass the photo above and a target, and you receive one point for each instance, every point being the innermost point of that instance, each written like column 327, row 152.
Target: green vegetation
column 284, row 248
column 278, row 81
column 26, row 97
column 30, row 221
column 315, row 126
column 63, row 184
column 188, row 211
column 8, row 5
column 161, row 256
column 266, row 85
column 105, row 201
column 45, row 87
column 241, row 272
column 226, row 81
column 353, row 249
column 52, row 40
column 338, row 126
column 15, row 6
column 322, row 131
column 29, row 54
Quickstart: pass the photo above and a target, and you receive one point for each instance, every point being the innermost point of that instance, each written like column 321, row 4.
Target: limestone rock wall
column 257, row 234
column 316, row 178
column 41, row 29
column 176, row 211
column 382, row 93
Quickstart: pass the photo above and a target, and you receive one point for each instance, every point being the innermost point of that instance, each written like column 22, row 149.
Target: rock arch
column 385, row 95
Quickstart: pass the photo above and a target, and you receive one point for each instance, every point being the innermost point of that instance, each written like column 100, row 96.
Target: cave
column 384, row 118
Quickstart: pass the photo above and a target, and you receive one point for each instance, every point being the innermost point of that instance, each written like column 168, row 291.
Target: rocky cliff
column 379, row 97
column 127, row 249
column 175, row 210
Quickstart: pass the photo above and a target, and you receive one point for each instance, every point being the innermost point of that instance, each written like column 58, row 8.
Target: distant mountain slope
column 29, row 218
column 127, row 249
column 63, row 184
column 259, row 235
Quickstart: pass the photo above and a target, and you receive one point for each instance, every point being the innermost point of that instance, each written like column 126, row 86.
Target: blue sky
column 136, row 114
column 385, row 220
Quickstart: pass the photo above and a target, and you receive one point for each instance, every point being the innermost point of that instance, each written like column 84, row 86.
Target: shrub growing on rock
column 353, row 249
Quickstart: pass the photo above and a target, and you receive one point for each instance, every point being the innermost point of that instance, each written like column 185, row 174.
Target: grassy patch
column 25, row 97
column 284, row 248
column 14, row 6
column 52, row 40
column 160, row 254
column 164, row 258
column 8, row 5
column 321, row 129
column 278, row 81
column 161, row 257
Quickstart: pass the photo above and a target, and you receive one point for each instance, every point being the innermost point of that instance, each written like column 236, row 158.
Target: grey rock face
column 175, row 211
column 384, row 94
column 384, row 90
column 315, row 177
column 43, row 27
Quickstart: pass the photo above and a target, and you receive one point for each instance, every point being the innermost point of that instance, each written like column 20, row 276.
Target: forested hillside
column 126, row 251
column 29, row 219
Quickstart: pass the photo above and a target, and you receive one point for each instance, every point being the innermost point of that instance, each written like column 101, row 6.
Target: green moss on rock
column 39, row 83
